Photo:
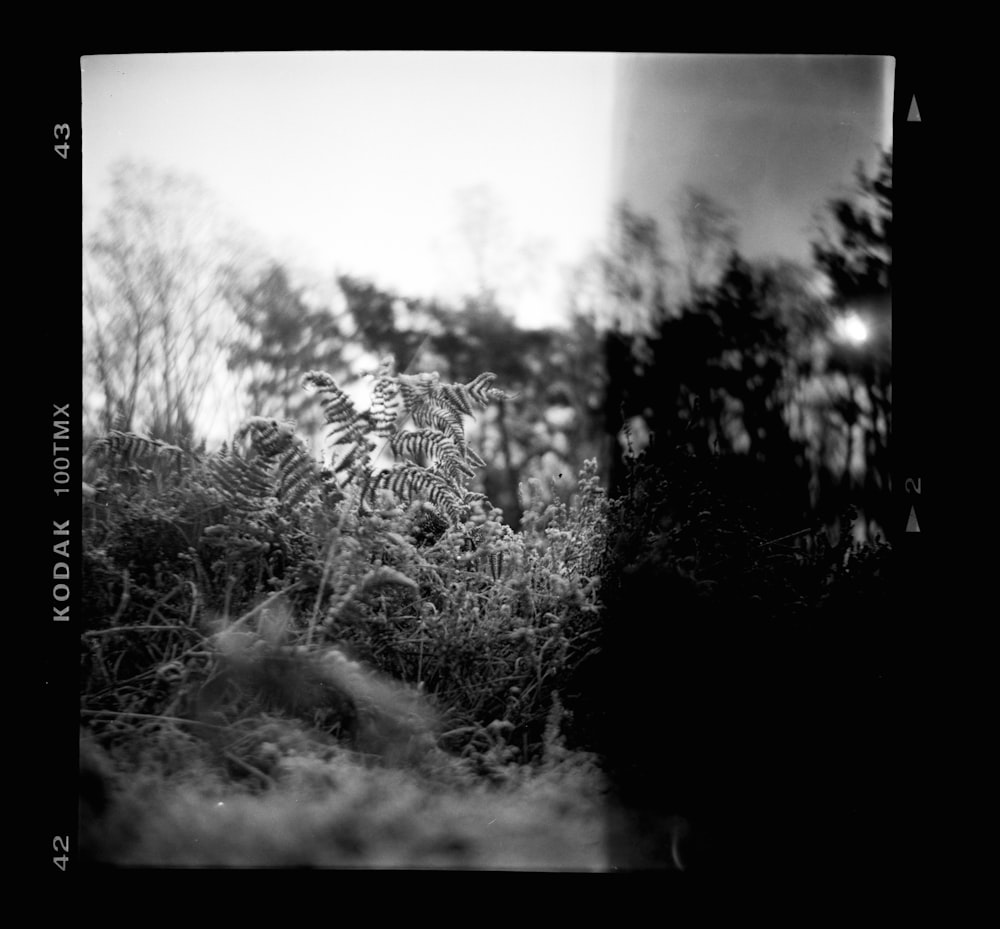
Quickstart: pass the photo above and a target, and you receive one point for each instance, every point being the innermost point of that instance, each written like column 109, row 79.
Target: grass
column 330, row 686
column 325, row 807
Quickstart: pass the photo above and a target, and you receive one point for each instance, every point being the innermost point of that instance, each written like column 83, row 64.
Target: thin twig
column 139, row 628
column 269, row 781
column 163, row 600
column 125, row 598
column 195, row 602
column 327, row 565
column 790, row 535
column 459, row 731
column 167, row 719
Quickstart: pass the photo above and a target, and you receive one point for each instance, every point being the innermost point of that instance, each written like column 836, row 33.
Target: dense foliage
column 382, row 608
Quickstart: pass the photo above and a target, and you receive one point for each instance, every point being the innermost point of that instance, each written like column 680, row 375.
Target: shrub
column 374, row 606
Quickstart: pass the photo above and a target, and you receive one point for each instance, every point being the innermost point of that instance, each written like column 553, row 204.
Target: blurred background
column 652, row 252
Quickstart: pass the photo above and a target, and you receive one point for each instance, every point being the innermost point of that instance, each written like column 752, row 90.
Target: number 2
column 912, row 486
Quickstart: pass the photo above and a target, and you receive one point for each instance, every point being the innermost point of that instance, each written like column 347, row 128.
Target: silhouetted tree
column 708, row 238
column 156, row 268
column 385, row 323
column 633, row 273
column 718, row 382
column 856, row 257
column 283, row 338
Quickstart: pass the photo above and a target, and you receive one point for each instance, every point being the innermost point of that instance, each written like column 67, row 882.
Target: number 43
column 61, row 132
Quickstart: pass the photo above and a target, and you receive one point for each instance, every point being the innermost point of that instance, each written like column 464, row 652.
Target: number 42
column 61, row 132
column 60, row 843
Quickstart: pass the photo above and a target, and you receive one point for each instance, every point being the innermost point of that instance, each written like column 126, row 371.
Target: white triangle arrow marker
column 911, row 524
column 914, row 114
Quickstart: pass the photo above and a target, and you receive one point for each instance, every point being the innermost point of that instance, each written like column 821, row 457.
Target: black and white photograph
column 485, row 461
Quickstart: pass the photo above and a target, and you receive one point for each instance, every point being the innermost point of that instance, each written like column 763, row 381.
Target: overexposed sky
column 356, row 162
column 770, row 137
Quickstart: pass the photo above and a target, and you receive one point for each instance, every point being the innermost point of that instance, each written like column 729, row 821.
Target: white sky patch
column 352, row 162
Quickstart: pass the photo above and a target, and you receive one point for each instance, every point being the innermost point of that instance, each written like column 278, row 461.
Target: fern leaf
column 267, row 436
column 456, row 398
column 338, row 408
column 120, row 421
column 355, row 459
column 385, row 406
column 443, row 419
column 348, row 427
column 243, row 483
column 428, row 443
column 454, row 469
column 479, row 388
column 409, row 481
column 127, row 447
column 416, row 389
column 298, row 474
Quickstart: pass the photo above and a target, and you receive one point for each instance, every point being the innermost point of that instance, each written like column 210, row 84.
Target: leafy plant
column 434, row 460
column 394, row 564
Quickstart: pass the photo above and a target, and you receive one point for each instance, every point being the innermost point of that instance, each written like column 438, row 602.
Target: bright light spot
column 852, row 328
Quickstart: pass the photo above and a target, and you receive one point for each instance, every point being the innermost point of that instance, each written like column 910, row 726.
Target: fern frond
column 338, row 409
column 120, row 421
column 125, row 448
column 436, row 461
column 409, row 481
column 442, row 418
column 354, row 461
column 454, row 469
column 416, row 389
column 243, row 482
column 456, row 398
column 481, row 392
column 298, row 475
column 428, row 443
column 474, row 458
column 348, row 427
column 268, row 437
column 386, row 403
